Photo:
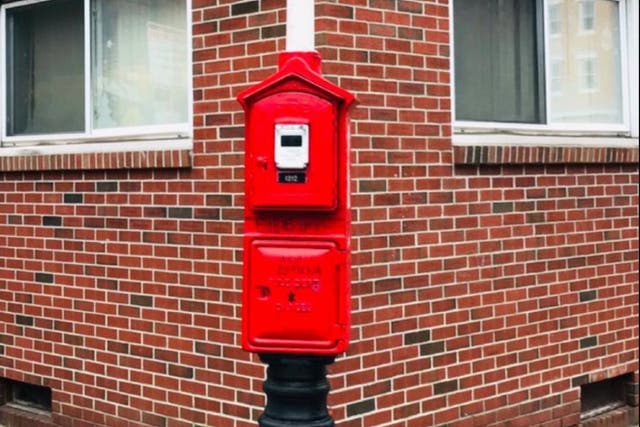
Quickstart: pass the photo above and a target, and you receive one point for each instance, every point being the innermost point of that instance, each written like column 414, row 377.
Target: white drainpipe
column 300, row 26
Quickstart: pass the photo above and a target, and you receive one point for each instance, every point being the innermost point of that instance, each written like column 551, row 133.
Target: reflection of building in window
column 498, row 70
column 555, row 19
column 140, row 63
column 557, row 75
column 587, row 15
column 588, row 65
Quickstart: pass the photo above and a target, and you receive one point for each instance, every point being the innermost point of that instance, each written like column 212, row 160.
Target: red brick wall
column 485, row 292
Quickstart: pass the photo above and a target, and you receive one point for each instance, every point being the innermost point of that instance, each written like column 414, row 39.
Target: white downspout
column 300, row 26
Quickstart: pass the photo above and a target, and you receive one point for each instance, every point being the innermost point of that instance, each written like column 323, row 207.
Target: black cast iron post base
column 296, row 389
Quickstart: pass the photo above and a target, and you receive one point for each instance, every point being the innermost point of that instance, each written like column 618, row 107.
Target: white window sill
column 99, row 147
column 542, row 140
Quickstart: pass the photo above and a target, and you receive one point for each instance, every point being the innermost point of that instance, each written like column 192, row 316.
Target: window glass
column 508, row 70
column 45, row 68
column 139, row 63
column 497, row 61
column 31, row 396
column 588, row 73
column 592, row 90
column 130, row 78
column 27, row 396
column 587, row 14
column 555, row 18
column 557, row 76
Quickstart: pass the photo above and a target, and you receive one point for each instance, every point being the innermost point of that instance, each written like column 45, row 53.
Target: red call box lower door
column 294, row 302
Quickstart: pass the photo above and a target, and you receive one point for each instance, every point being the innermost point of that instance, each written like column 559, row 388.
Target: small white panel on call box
column 292, row 146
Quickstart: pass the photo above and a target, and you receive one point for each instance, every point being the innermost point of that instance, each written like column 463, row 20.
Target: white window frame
column 155, row 137
column 477, row 132
column 633, row 31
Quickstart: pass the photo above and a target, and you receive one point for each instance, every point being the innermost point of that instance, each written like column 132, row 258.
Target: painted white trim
column 179, row 129
column 452, row 60
column 546, row 41
column 633, row 22
column 625, row 74
column 543, row 140
column 98, row 147
column 554, row 128
column 3, row 73
column 300, row 26
column 141, row 134
column 190, row 50
column 88, row 87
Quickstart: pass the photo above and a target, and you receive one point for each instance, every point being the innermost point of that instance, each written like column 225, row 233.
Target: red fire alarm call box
column 296, row 272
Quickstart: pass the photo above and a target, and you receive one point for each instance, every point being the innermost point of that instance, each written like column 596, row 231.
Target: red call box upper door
column 311, row 187
column 296, row 298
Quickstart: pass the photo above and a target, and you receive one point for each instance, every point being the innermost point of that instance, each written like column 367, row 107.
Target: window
column 593, row 90
column 79, row 70
column 497, row 66
column 508, row 70
column 557, row 76
column 588, row 73
column 587, row 15
column 25, row 395
column 603, row 396
column 555, row 19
